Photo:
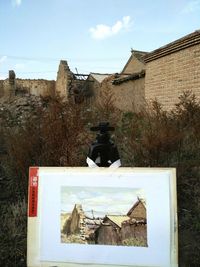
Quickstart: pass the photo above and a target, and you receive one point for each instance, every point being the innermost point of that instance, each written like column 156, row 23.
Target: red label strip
column 33, row 191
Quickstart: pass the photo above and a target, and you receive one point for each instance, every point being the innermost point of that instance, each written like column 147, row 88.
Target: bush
column 155, row 138
column 54, row 137
column 136, row 242
column 13, row 234
column 59, row 136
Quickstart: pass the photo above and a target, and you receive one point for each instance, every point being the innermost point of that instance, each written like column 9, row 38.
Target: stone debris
column 15, row 111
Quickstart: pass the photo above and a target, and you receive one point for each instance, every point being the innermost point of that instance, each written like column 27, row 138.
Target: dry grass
column 59, row 136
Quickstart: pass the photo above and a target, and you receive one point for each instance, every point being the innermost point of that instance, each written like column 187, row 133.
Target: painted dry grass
column 63, row 218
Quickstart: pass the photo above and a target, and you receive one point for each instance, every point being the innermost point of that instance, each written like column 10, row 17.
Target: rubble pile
column 15, row 111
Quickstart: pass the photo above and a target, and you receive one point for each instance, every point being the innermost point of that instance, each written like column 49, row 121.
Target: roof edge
column 133, row 76
column 179, row 44
column 134, row 53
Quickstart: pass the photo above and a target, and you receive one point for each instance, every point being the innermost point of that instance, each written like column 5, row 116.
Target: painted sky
column 93, row 36
column 101, row 200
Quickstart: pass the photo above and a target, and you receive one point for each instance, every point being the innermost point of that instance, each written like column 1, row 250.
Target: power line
column 54, row 71
column 28, row 72
column 30, row 58
column 42, row 59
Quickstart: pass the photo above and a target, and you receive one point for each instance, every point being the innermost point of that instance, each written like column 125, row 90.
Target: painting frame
column 44, row 246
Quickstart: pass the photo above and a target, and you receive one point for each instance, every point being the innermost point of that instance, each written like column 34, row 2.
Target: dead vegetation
column 58, row 135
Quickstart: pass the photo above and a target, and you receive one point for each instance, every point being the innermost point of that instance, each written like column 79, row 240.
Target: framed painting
column 102, row 217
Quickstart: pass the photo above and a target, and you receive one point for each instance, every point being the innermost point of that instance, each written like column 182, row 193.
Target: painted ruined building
column 110, row 230
column 163, row 74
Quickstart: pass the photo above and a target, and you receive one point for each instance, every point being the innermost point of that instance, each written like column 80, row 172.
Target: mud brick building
column 120, row 229
column 172, row 69
column 109, row 230
column 127, row 87
column 163, row 74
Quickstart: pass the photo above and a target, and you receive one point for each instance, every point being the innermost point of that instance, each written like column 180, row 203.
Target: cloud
column 191, row 6
column 3, row 59
column 16, row 3
column 102, row 31
column 102, row 201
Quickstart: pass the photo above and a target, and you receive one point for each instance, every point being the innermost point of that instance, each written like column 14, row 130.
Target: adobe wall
column 167, row 77
column 138, row 212
column 133, row 230
column 93, row 87
column 91, row 90
column 75, row 223
column 134, row 66
column 128, row 96
column 36, row 87
column 108, row 235
column 1, row 88
column 64, row 78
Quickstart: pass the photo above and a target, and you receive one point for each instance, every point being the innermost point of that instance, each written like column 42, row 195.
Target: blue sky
column 93, row 36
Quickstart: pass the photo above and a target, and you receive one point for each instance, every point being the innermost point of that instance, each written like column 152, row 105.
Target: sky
column 102, row 200
column 93, row 36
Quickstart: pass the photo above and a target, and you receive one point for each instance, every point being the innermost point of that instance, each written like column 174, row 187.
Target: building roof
column 135, row 221
column 99, row 77
column 179, row 44
column 138, row 54
column 140, row 201
column 127, row 78
column 117, row 219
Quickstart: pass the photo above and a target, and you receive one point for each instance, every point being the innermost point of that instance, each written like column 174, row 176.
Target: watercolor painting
column 103, row 216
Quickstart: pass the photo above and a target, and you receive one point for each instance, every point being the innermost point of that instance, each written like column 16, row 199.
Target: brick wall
column 167, row 77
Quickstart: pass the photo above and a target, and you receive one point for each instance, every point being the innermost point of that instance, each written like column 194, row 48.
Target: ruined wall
column 167, row 77
column 128, row 96
column 38, row 87
column 92, row 87
column 1, row 88
column 9, row 85
column 133, row 230
column 108, row 235
column 91, row 90
column 75, row 223
column 76, row 90
column 64, row 77
column 35, row 87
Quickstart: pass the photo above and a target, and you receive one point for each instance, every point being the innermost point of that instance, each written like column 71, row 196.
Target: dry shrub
column 103, row 110
column 53, row 137
column 58, row 135
column 157, row 138
column 50, row 136
column 13, row 234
